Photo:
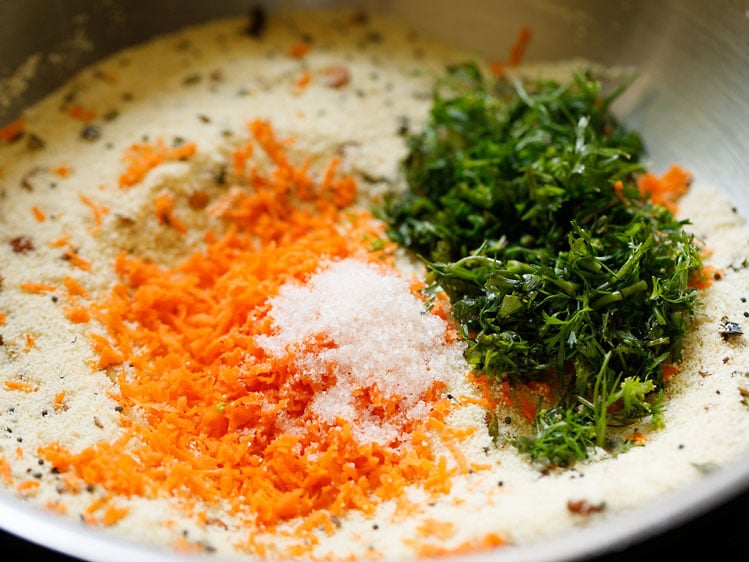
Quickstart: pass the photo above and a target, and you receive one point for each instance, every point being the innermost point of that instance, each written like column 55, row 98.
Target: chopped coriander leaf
column 523, row 202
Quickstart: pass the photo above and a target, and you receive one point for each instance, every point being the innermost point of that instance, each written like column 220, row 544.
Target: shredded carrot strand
column 141, row 158
column 77, row 111
column 19, row 386
column 209, row 396
column 517, row 51
column 37, row 287
column 5, row 471
column 667, row 189
column 39, row 215
column 13, row 131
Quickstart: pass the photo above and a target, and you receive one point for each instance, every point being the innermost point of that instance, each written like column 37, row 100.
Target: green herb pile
column 552, row 273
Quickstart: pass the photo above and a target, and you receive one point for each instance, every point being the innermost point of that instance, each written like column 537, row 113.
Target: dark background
column 722, row 533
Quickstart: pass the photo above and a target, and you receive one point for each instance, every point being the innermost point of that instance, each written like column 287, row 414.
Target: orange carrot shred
column 141, row 158
column 298, row 50
column 37, row 287
column 164, row 204
column 39, row 215
column 5, row 471
column 667, row 189
column 77, row 260
column 13, row 131
column 517, row 51
column 19, row 386
column 210, row 397
column 78, row 112
column 73, row 287
column 62, row 171
column 60, row 400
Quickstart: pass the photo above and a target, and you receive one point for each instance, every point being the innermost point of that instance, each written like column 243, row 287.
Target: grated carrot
column 517, row 51
column 77, row 314
column 98, row 211
column 77, row 111
column 77, row 260
column 28, row 487
column 74, row 288
column 516, row 54
column 703, row 278
column 62, row 171
column 39, row 215
column 30, row 342
column 298, row 50
column 141, row 158
column 164, row 204
column 667, row 189
column 429, row 550
column 3, row 319
column 5, row 471
column 19, row 386
column 303, row 81
column 37, row 287
column 56, row 507
column 63, row 240
column 669, row 370
column 431, row 527
column 13, row 130
column 210, row 398
column 60, row 400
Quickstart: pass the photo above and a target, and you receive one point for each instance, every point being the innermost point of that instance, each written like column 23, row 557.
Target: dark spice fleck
column 508, row 420
column 359, row 17
column 583, row 507
column 204, row 118
column 35, row 142
column 118, row 409
column 54, row 298
column 45, row 413
column 729, row 329
column 26, row 179
column 22, row 244
column 91, row 132
column 111, row 115
column 257, row 21
column 191, row 79
column 403, row 125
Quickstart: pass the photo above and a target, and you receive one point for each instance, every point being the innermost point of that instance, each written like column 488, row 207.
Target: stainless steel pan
column 691, row 103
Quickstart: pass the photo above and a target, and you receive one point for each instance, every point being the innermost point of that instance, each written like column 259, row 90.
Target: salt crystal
column 381, row 337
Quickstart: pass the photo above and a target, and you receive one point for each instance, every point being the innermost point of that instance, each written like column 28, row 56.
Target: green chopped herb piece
column 522, row 199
